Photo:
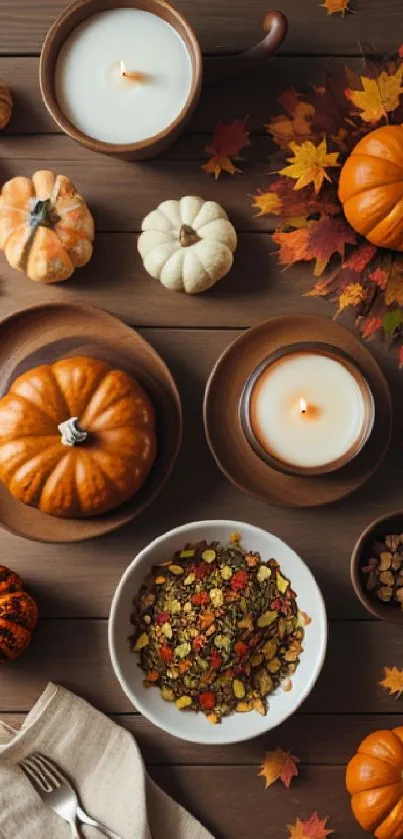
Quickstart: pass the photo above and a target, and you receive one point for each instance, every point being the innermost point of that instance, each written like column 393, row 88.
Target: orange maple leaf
column 379, row 95
column 393, row 681
column 334, row 6
column 228, row 140
column 312, row 828
column 319, row 240
column 309, row 164
column 370, row 326
column 279, row 764
column 296, row 126
column 379, row 276
column 268, row 203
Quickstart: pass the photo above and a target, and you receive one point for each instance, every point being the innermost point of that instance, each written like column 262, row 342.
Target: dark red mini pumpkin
column 18, row 616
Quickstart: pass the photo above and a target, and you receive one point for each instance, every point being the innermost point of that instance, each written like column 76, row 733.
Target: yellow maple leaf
column 220, row 163
column 284, row 129
column 267, row 203
column 393, row 680
column 353, row 295
column 334, row 6
column 379, row 96
column 309, row 163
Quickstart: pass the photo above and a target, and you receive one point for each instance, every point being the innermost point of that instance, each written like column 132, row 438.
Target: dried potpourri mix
column 217, row 629
column 384, row 570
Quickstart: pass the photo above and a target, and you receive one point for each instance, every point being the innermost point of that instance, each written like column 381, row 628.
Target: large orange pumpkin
column 77, row 437
column 46, row 228
column 18, row 616
column 374, row 779
column 371, row 187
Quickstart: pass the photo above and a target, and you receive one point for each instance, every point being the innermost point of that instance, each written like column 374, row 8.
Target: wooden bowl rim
column 127, row 515
column 383, row 611
column 46, row 77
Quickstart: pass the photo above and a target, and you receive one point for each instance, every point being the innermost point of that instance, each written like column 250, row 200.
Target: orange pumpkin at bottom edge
column 374, row 779
column 18, row 616
column 371, row 187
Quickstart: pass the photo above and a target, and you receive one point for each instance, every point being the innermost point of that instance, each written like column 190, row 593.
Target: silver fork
column 57, row 792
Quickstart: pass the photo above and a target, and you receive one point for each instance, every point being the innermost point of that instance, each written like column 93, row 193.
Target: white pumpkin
column 188, row 245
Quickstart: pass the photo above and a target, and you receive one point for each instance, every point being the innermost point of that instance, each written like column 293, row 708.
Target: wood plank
column 23, row 25
column 318, row 740
column 80, row 582
column 255, row 94
column 75, row 653
column 230, row 801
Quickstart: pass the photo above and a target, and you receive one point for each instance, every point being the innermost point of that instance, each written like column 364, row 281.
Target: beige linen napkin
column 106, row 766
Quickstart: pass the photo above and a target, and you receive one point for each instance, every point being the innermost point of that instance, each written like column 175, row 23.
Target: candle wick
column 133, row 75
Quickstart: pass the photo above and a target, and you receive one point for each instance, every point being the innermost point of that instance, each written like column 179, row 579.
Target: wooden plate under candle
column 226, row 437
column 43, row 334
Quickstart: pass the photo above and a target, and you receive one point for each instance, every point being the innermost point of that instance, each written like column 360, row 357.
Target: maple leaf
column 319, row 240
column 370, row 326
column 297, row 126
column 228, row 140
column 359, row 259
column 329, row 236
column 279, row 764
column 379, row 276
column 379, row 95
column 353, row 295
column 268, row 203
column 394, row 285
column 400, row 51
column 309, row 164
column 312, row 828
column 334, row 6
column 289, row 99
column 401, row 356
column 392, row 322
column 393, row 680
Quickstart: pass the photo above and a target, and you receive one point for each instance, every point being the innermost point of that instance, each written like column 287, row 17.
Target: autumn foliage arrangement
column 315, row 135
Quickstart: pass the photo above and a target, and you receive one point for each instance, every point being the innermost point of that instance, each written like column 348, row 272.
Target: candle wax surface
column 97, row 99
column 334, row 416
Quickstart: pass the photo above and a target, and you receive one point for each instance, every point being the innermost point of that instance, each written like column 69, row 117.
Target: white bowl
column 240, row 726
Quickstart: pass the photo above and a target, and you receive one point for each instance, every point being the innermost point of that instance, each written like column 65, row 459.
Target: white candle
column 307, row 410
column 94, row 84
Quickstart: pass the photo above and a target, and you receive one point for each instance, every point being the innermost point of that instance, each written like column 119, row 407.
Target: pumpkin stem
column 71, row 432
column 43, row 214
column 188, row 236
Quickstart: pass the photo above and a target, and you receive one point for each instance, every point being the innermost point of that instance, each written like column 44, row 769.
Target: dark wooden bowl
column 377, row 530
column 210, row 69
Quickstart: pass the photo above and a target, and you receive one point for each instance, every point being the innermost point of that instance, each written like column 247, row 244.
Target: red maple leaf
column 361, row 257
column 379, row 276
column 370, row 326
column 228, row 140
column 319, row 240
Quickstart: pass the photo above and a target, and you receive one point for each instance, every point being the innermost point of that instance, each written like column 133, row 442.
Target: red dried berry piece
column 215, row 660
column 200, row 598
column 198, row 643
column 239, row 580
column 241, row 649
column 162, row 617
column 207, row 700
column 200, row 571
column 166, row 654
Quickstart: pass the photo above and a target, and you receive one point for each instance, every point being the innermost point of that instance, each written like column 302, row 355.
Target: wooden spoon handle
column 224, row 66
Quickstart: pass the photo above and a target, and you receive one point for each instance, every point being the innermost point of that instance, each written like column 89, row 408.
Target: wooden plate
column 43, row 334
column 226, row 439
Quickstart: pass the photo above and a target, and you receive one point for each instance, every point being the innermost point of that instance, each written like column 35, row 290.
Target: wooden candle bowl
column 246, row 408
column 275, row 28
column 385, row 525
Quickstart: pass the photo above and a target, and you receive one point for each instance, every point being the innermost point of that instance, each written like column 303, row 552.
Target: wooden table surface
column 74, row 584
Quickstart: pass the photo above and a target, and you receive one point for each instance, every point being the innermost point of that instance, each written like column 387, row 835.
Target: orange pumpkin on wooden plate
column 18, row 616
column 46, row 228
column 371, row 187
column 374, row 779
column 77, row 438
